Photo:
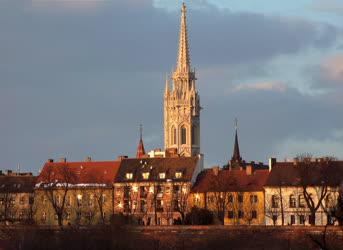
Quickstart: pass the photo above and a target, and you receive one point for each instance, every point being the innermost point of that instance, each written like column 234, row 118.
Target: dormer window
column 178, row 175
column 129, row 176
column 145, row 175
column 162, row 176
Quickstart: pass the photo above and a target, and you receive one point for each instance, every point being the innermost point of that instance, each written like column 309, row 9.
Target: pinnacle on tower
column 183, row 61
column 167, row 85
column 140, row 149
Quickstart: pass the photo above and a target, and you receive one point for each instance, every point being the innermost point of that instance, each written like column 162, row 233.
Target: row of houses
column 161, row 188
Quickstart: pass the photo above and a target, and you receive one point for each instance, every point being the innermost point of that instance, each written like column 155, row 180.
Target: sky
column 77, row 77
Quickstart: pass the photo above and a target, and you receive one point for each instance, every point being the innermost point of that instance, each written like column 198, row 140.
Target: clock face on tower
column 181, row 102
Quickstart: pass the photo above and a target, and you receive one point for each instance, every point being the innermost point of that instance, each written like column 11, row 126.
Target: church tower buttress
column 182, row 102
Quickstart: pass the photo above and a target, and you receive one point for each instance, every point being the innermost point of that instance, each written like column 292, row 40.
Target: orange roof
column 79, row 173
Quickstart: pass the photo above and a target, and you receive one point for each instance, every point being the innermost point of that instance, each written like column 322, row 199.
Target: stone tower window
column 173, row 135
column 183, row 135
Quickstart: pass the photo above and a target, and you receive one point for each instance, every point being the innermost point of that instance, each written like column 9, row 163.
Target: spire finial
column 236, row 124
column 183, row 61
column 140, row 131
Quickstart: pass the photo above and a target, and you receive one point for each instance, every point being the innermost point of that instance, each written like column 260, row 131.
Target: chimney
column 88, row 159
column 249, row 169
column 50, row 160
column 272, row 162
column 63, row 159
column 121, row 157
column 215, row 170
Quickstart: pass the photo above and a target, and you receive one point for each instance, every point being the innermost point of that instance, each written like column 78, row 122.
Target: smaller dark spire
column 236, row 156
column 140, row 149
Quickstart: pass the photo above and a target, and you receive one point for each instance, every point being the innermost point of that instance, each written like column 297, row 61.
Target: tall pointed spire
column 140, row 149
column 167, row 85
column 236, row 157
column 183, row 60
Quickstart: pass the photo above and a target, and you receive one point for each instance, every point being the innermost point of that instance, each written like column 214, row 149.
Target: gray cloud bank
column 78, row 82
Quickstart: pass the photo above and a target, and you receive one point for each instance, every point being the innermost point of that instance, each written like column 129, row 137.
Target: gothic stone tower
column 182, row 102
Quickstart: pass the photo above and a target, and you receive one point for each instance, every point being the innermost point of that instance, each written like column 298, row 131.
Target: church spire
column 140, row 149
column 236, row 157
column 183, row 61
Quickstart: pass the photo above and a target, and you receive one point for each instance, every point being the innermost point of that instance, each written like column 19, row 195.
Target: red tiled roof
column 97, row 172
column 140, row 149
column 230, row 181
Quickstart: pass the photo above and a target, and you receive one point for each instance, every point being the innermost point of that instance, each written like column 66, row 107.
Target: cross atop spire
column 183, row 61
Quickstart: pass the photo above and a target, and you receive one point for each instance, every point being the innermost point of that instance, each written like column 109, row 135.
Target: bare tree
column 180, row 200
column 56, row 184
column 8, row 209
column 312, row 178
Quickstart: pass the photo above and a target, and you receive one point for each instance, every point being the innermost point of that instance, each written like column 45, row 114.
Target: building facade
column 235, row 196
column 182, row 102
column 16, row 197
column 302, row 192
column 155, row 191
column 75, row 193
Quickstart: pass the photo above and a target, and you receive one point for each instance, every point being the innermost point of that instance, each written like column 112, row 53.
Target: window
column 162, row 175
column 22, row 200
column 78, row 215
column 292, row 219
column 253, row 199
column 302, row 219
column 183, row 135
column 103, row 198
column 68, row 201
column 301, row 201
column 328, row 201
column 254, row 214
column 240, row 198
column 292, row 202
column 178, row 175
column 68, row 216
column 240, row 214
column 90, row 200
column 275, row 201
column 143, row 191
column 129, row 176
column 176, row 189
column 58, row 200
column 230, row 198
column 173, row 135
column 159, row 205
column 127, row 192
column 230, row 214
column 145, row 175
column 274, row 218
column 44, row 216
column 1, row 201
column 143, row 206
column 79, row 200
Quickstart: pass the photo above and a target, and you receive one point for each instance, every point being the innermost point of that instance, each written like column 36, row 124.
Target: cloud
column 331, row 6
column 318, row 147
column 260, row 86
column 332, row 69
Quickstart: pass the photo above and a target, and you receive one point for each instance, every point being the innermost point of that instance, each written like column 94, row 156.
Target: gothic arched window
column 173, row 135
column 183, row 135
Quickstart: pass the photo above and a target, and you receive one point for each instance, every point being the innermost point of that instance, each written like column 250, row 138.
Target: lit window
column 178, row 175
column 145, row 175
column 79, row 200
column 129, row 176
column 162, row 175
